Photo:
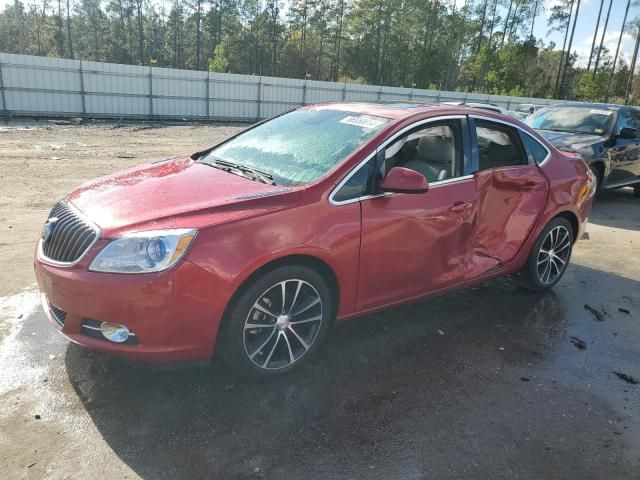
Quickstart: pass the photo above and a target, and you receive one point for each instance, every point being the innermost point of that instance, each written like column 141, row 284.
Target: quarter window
column 498, row 146
column 535, row 151
column 356, row 185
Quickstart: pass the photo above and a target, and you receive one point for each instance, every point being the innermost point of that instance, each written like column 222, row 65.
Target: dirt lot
column 484, row 383
column 39, row 164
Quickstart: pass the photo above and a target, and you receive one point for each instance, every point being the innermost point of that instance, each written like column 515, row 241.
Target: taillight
column 588, row 188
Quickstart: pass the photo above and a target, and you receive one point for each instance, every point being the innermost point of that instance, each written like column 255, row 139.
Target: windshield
column 594, row 121
column 301, row 146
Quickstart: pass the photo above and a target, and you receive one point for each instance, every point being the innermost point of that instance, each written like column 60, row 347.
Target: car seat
column 435, row 156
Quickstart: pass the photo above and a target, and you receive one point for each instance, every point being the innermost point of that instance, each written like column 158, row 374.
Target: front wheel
column 549, row 256
column 277, row 322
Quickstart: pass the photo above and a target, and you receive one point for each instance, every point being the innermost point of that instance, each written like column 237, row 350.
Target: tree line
column 485, row 46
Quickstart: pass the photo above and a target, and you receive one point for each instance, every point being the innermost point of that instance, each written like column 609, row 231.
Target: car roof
column 483, row 104
column 609, row 106
column 395, row 111
column 379, row 109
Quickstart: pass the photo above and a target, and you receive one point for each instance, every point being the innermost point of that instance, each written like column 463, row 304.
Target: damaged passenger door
column 512, row 192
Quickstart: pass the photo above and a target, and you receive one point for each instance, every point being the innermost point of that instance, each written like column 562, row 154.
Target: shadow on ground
column 617, row 208
column 482, row 383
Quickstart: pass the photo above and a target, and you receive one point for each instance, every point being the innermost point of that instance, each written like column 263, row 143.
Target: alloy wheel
column 282, row 324
column 553, row 255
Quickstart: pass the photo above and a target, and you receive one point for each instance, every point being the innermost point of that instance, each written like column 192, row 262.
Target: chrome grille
column 58, row 314
column 69, row 236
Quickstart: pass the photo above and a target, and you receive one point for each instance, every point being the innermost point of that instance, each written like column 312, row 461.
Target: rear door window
column 498, row 146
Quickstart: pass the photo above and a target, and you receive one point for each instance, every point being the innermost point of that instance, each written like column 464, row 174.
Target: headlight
column 143, row 252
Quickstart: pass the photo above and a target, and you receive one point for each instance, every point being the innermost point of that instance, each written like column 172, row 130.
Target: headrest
column 436, row 149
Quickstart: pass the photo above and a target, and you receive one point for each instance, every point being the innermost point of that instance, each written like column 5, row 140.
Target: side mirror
column 628, row 133
column 404, row 180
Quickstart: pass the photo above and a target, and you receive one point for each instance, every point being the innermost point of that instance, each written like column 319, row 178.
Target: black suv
column 606, row 136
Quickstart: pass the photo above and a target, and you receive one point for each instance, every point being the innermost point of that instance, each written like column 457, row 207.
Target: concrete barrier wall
column 53, row 87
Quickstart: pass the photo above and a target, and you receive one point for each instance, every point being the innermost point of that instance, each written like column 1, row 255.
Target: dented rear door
column 511, row 191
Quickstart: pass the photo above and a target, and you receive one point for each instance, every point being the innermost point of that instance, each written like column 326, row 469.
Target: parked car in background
column 606, row 136
column 253, row 247
column 516, row 115
column 528, row 108
column 483, row 106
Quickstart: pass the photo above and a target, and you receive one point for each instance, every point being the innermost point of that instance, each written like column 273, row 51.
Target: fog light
column 114, row 332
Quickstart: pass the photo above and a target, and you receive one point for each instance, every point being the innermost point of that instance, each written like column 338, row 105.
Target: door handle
column 459, row 206
column 528, row 185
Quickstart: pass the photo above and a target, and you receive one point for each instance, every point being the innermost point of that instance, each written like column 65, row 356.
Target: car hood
column 570, row 141
column 176, row 192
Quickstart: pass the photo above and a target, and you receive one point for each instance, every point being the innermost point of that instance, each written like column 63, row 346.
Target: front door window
column 433, row 151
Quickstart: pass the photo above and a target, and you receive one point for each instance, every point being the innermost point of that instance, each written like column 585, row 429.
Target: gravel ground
column 39, row 164
column 487, row 383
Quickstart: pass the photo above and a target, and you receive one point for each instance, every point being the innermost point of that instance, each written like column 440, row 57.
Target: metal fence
column 53, row 87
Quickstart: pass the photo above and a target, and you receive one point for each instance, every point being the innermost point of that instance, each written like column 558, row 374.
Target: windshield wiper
column 556, row 130
column 255, row 174
column 574, row 132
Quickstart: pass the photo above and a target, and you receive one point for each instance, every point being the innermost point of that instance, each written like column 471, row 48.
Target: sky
column 584, row 28
column 587, row 19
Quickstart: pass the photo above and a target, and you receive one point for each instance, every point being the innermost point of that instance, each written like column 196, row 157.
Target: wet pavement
column 483, row 383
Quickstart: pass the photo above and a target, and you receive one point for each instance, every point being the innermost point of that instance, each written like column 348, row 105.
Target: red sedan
column 257, row 245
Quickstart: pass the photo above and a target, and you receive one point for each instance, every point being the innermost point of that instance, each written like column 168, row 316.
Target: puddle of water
column 14, row 310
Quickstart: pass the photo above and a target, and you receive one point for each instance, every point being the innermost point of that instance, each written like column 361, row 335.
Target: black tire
column 636, row 190
column 598, row 174
column 293, row 326
column 541, row 271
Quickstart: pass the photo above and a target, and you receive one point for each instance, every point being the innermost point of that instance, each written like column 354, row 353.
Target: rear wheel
column 549, row 256
column 277, row 322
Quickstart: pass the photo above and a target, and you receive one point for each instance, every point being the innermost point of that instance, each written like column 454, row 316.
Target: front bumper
column 174, row 314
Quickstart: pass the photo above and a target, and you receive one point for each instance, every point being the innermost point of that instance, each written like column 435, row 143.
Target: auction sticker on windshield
column 601, row 112
column 364, row 122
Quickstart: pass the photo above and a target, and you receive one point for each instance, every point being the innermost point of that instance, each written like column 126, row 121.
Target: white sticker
column 601, row 112
column 363, row 122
